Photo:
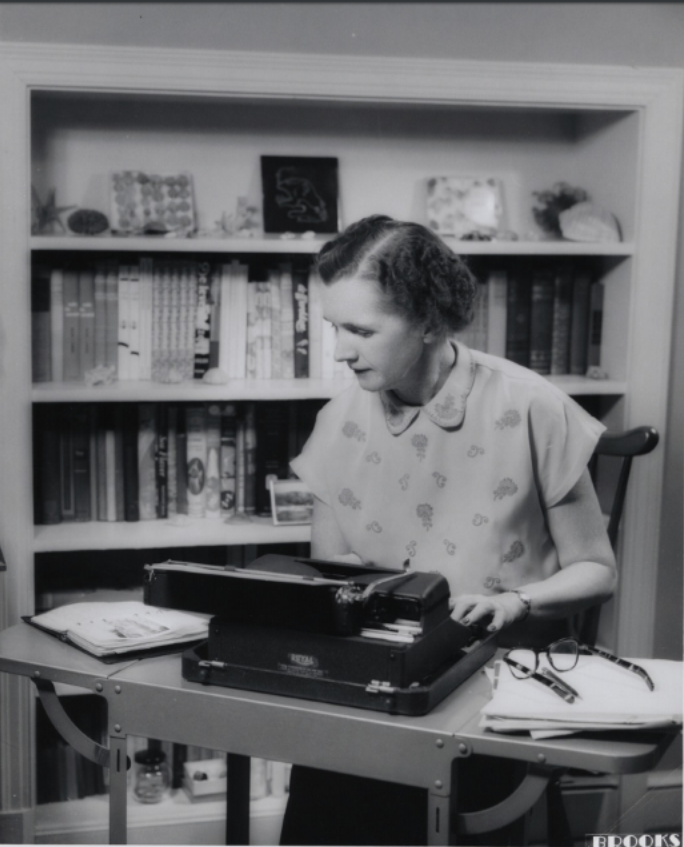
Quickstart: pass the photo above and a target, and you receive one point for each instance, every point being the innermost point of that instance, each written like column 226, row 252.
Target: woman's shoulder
column 350, row 400
column 498, row 373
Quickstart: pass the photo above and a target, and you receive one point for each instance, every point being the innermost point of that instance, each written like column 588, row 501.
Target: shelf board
column 275, row 244
column 192, row 391
column 139, row 535
column 130, row 391
column 92, row 813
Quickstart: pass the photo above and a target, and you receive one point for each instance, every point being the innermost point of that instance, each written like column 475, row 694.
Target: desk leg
column 438, row 819
column 118, row 825
column 237, row 799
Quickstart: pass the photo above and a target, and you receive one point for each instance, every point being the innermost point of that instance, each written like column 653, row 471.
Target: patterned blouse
column 460, row 485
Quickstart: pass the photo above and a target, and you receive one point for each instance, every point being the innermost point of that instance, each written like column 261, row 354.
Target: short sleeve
column 563, row 438
column 310, row 465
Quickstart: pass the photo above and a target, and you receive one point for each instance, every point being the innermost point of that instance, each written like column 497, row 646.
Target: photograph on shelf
column 152, row 204
column 291, row 501
column 300, row 194
column 464, row 207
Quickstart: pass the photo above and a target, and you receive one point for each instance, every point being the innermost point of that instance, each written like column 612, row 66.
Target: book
column 300, row 301
column 228, row 432
column 271, row 457
column 101, row 411
column 147, row 444
column 131, row 484
column 112, row 311
column 202, row 321
column 121, row 627
column 595, row 324
column 86, row 311
column 47, row 465
column 57, row 324
column 196, row 447
column 146, row 271
column 66, row 461
column 263, row 331
column 315, row 327
column 181, row 463
column 286, row 321
column 188, row 306
column 579, row 322
column 161, row 461
column 123, row 343
column 562, row 310
column 72, row 347
column 213, row 477
column 100, row 296
column 541, row 320
column 172, row 460
column 249, row 446
column 80, row 428
column 275, row 309
column 225, row 304
column 41, row 341
column 237, row 322
column 215, row 317
column 518, row 319
column 252, row 337
column 119, row 493
column 497, row 289
column 133, row 322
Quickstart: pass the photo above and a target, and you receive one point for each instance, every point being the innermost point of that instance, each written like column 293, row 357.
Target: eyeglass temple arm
column 623, row 663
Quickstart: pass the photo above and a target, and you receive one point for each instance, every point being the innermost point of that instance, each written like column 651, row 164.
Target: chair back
column 623, row 447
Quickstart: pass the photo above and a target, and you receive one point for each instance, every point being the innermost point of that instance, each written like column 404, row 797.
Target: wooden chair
column 623, row 447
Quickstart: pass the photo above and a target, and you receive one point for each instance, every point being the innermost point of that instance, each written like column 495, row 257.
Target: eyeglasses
column 563, row 655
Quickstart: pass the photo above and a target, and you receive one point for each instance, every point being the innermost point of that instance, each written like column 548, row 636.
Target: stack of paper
column 610, row 697
column 105, row 629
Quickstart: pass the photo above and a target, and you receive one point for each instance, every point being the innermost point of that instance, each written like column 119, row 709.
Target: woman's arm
column 587, row 575
column 326, row 539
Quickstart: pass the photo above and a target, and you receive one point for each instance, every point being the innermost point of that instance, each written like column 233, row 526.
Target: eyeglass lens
column 523, row 662
column 563, row 654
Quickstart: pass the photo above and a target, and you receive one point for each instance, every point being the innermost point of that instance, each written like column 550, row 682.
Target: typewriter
column 355, row 635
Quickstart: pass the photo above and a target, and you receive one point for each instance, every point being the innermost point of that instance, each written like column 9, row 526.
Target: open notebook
column 610, row 697
column 121, row 629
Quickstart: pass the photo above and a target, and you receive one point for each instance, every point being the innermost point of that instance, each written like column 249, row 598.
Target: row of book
column 168, row 320
column 547, row 318
column 135, row 462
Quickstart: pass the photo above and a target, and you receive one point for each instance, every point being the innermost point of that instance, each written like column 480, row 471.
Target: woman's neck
column 436, row 365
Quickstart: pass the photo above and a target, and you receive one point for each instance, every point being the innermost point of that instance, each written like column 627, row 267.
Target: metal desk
column 149, row 698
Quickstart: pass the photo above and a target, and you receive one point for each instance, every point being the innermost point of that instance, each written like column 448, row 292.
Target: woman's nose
column 344, row 350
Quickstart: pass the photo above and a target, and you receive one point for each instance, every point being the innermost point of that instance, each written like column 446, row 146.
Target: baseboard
column 17, row 827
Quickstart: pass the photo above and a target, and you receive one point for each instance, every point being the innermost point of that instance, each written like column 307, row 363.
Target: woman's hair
column 427, row 281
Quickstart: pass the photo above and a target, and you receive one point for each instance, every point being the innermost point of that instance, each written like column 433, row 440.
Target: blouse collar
column 447, row 407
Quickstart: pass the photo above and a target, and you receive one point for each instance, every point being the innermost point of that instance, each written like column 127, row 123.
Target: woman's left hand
column 495, row 611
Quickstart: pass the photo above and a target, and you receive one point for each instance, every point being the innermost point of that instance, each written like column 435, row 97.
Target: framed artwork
column 300, row 194
column 152, row 204
column 464, row 206
column 291, row 501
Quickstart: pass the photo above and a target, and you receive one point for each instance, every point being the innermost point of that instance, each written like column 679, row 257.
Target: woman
column 456, row 460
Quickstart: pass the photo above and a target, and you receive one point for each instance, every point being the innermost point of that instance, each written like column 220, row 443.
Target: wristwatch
column 525, row 599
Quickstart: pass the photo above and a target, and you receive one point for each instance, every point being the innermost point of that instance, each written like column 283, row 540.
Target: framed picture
column 464, row 206
column 152, row 204
column 300, row 194
column 291, row 502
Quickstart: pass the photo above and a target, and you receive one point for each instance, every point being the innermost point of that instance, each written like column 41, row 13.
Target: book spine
column 161, row 461
column 215, row 317
column 560, row 335
column 251, row 340
column 155, row 353
column 579, row 323
column 497, row 288
column 518, row 320
column 175, row 322
column 100, row 293
column 57, row 324
column 165, row 357
column 146, row 273
column 272, row 424
column 86, row 311
column 134, row 322
column 147, row 442
column 541, row 321
column 225, row 303
column 123, row 342
column 195, row 426
column 72, row 347
column 41, row 369
column 286, row 322
column 112, row 320
column 92, row 460
column 110, row 468
column 181, row 463
column 481, row 318
column 66, row 475
column 130, row 463
column 264, row 343
column 119, row 493
column 47, row 464
column 80, row 422
column 315, row 328
column 238, row 320
column 172, row 459
column 250, row 458
column 276, row 338
column 227, row 464
column 213, row 481
column 202, row 321
column 300, row 298
column 189, row 307
column 595, row 324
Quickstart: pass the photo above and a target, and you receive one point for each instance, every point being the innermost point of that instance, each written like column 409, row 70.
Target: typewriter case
column 278, row 630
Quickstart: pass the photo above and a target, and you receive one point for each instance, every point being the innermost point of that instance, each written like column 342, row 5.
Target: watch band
column 524, row 599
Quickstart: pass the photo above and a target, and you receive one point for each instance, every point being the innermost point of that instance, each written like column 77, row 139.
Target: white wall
column 645, row 34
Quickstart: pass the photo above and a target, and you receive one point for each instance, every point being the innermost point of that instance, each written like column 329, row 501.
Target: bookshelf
column 72, row 114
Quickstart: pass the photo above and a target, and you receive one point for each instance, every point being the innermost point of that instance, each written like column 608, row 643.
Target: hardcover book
column 518, row 319
column 72, row 322
column 579, row 325
column 41, row 343
column 541, row 321
column 57, row 324
column 86, row 297
column 147, row 443
column 562, row 309
column 300, row 302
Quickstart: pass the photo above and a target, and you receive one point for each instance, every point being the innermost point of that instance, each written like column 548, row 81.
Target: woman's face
column 383, row 348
